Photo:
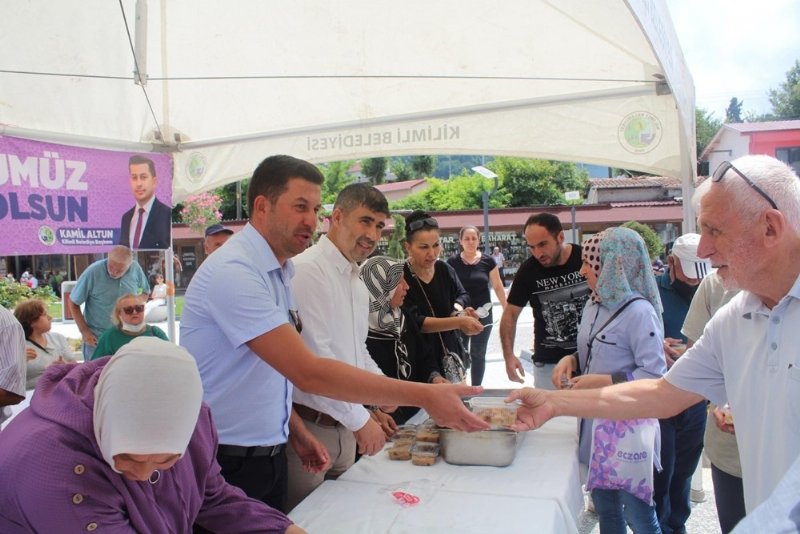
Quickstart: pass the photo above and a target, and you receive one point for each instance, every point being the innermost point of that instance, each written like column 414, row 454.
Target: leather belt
column 310, row 414
column 247, row 452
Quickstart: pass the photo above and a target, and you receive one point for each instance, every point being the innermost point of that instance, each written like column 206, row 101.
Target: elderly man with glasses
column 99, row 287
column 749, row 215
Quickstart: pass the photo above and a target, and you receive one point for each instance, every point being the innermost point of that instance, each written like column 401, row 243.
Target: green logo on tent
column 640, row 132
column 196, row 167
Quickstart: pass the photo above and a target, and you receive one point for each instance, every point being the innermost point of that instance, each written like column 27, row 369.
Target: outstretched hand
column 534, row 411
column 445, row 406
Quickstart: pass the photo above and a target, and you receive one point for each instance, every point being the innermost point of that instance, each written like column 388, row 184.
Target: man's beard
column 685, row 290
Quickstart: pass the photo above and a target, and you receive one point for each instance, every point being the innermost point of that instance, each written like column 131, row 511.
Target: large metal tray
column 488, row 447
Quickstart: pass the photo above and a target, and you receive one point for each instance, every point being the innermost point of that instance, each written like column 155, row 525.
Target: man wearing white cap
column 681, row 434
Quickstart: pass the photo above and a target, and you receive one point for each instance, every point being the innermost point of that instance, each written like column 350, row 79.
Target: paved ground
column 704, row 515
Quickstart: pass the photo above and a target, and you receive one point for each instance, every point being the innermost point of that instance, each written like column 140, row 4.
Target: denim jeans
column 616, row 509
column 681, row 448
column 476, row 345
column 729, row 498
column 543, row 375
column 87, row 350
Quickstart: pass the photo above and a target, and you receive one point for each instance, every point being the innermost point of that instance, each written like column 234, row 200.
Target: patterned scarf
column 619, row 258
column 381, row 274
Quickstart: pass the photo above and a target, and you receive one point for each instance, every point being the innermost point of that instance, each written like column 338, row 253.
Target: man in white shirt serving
column 327, row 286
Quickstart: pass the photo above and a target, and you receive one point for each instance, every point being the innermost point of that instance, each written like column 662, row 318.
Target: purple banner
column 60, row 199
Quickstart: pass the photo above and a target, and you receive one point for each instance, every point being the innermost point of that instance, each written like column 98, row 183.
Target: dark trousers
column 264, row 478
column 681, row 448
column 729, row 497
column 476, row 345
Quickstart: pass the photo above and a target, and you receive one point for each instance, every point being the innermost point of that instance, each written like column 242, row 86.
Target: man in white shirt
column 749, row 215
column 334, row 304
column 12, row 362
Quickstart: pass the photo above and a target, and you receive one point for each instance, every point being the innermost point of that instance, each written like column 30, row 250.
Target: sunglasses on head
column 139, row 308
column 413, row 226
column 726, row 166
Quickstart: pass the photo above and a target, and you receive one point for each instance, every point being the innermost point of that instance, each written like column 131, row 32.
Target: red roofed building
column 779, row 139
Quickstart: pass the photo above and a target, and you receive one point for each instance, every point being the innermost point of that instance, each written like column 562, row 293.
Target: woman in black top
column 436, row 299
column 476, row 271
column 394, row 340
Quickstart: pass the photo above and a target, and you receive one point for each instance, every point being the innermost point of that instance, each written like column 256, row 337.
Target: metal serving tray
column 488, row 447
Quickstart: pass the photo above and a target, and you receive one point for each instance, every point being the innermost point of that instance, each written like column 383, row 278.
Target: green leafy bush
column 13, row 292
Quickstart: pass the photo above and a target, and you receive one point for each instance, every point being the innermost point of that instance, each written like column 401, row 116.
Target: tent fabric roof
column 226, row 84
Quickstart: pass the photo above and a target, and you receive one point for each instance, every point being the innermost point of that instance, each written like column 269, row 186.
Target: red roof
column 399, row 186
column 635, row 182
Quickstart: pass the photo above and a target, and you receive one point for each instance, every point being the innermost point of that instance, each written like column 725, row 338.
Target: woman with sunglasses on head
column 436, row 299
column 43, row 347
column 619, row 339
column 129, row 323
column 394, row 340
column 477, row 271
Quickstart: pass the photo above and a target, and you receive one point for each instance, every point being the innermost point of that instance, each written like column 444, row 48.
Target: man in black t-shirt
column 550, row 281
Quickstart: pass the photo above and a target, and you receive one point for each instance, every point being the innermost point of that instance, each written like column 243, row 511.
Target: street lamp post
column 483, row 171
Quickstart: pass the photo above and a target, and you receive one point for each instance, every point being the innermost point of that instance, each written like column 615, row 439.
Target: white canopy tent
column 224, row 84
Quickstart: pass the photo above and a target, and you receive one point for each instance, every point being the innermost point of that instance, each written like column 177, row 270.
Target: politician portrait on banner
column 60, row 199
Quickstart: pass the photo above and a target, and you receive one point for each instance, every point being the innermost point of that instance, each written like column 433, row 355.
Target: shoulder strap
column 605, row 324
column 433, row 313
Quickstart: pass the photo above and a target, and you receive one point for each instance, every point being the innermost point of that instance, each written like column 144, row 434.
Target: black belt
column 246, row 452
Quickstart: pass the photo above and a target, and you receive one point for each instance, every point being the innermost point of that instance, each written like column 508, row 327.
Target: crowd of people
column 318, row 352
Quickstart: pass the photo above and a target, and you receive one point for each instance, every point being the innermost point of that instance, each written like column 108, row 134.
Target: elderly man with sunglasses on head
column 749, row 217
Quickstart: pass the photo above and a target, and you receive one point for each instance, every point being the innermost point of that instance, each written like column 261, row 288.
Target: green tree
column 336, row 179
column 374, row 169
column 786, row 99
column 395, row 248
column 458, row 193
column 401, row 170
column 650, row 237
column 706, row 127
column 423, row 165
column 531, row 182
column 734, row 111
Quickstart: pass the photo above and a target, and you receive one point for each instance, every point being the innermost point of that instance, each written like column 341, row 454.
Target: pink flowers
column 201, row 211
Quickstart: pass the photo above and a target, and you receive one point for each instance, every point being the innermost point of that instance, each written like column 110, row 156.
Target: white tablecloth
column 539, row 492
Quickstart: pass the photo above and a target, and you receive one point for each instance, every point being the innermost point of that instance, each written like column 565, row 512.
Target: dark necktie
column 138, row 230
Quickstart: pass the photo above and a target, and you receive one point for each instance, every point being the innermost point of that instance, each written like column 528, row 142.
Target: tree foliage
column 654, row 245
column 706, row 126
column 734, row 111
column 458, row 193
column 423, row 166
column 785, row 99
column 336, row 179
column 374, row 169
column 401, row 170
column 395, row 248
column 531, row 182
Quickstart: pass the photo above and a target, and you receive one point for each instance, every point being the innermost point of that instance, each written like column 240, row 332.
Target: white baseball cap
column 685, row 249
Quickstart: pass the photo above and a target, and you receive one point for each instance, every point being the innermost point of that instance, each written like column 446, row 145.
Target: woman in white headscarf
column 122, row 444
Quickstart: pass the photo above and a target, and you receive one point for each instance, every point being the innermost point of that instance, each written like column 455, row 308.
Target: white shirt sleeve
column 320, row 312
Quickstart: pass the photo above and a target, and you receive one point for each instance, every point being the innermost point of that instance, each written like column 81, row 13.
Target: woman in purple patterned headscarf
column 619, row 339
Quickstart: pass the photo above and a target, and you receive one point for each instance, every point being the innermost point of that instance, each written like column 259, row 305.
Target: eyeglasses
column 413, row 226
column 139, row 308
column 298, row 323
column 725, row 166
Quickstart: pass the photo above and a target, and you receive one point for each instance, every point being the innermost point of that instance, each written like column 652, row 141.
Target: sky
column 737, row 48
